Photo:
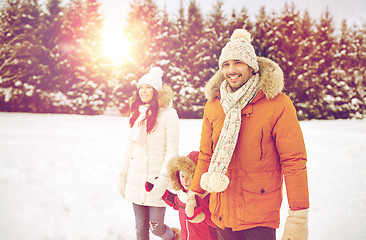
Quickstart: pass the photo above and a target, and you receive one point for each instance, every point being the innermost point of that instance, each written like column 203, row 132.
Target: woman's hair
column 151, row 113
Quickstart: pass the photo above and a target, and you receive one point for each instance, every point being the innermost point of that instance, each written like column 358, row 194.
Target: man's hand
column 296, row 226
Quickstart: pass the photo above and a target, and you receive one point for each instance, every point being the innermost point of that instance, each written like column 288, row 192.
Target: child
column 199, row 226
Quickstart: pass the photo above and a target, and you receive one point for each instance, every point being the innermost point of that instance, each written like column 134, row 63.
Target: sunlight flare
column 116, row 45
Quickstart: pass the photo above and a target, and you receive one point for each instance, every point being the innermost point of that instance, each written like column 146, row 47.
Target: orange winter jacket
column 270, row 146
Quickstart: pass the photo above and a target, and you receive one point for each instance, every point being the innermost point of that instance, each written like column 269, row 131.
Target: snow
column 59, row 177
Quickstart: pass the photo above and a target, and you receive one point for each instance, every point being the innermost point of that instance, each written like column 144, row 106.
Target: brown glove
column 296, row 226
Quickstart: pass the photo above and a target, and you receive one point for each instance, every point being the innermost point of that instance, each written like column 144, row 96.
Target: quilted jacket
column 270, row 148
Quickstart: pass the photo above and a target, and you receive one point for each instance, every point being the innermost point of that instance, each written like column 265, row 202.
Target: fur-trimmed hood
column 181, row 163
column 271, row 80
column 165, row 96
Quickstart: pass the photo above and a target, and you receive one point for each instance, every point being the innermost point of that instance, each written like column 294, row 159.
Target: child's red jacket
column 190, row 230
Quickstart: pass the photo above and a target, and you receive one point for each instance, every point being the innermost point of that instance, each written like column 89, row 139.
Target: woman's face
column 146, row 93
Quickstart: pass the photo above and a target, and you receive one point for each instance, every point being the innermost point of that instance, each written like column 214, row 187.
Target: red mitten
column 169, row 199
column 194, row 207
column 148, row 186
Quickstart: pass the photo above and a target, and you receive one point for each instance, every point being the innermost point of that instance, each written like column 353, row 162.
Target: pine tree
column 142, row 29
column 49, row 39
column 190, row 104
column 170, row 59
column 347, row 94
column 292, row 46
column 359, row 74
column 83, row 83
column 304, row 75
column 146, row 29
column 217, row 36
column 238, row 20
column 264, row 36
column 20, row 70
column 178, row 72
column 322, row 69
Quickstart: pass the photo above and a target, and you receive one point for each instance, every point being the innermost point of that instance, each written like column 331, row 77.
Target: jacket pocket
column 262, row 199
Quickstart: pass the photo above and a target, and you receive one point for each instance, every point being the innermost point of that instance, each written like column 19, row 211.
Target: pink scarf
column 138, row 131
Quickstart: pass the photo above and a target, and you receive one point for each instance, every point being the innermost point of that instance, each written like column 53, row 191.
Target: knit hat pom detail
column 156, row 72
column 152, row 78
column 241, row 34
column 214, row 182
column 239, row 48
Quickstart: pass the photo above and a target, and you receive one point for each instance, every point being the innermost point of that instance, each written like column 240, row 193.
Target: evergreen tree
column 190, row 105
column 144, row 30
column 83, row 85
column 322, row 69
column 178, row 73
column 347, row 93
column 217, row 20
column 359, row 74
column 49, row 38
column 50, row 59
column 264, row 36
column 288, row 45
column 292, row 49
column 217, row 36
column 167, row 42
column 304, row 75
column 21, row 72
column 171, row 57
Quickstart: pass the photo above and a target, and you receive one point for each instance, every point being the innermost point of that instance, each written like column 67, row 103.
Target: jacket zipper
column 261, row 146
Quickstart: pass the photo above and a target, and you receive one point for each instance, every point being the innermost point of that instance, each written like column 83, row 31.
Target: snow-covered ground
column 59, row 177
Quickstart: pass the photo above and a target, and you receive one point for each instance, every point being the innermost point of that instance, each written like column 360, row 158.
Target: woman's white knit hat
column 239, row 48
column 153, row 78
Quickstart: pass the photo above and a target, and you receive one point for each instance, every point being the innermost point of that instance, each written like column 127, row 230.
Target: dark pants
column 257, row 233
column 213, row 233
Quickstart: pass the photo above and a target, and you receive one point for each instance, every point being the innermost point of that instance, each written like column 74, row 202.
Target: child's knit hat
column 239, row 48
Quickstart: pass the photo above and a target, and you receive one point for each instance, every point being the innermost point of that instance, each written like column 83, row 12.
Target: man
column 250, row 141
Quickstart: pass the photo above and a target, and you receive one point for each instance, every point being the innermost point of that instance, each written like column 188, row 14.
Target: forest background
column 52, row 61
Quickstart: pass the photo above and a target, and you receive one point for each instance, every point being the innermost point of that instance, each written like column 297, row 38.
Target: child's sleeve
column 170, row 199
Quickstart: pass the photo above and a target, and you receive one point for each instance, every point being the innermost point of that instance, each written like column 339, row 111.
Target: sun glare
column 116, row 46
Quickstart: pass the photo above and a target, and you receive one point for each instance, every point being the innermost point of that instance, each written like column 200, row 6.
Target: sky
column 59, row 177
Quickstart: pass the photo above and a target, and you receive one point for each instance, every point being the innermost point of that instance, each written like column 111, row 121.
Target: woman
column 152, row 142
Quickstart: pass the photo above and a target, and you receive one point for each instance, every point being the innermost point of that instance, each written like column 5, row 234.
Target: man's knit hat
column 153, row 78
column 239, row 48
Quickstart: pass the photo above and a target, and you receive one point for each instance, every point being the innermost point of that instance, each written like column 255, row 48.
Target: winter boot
column 176, row 233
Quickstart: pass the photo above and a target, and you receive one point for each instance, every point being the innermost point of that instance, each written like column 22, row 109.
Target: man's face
column 236, row 73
